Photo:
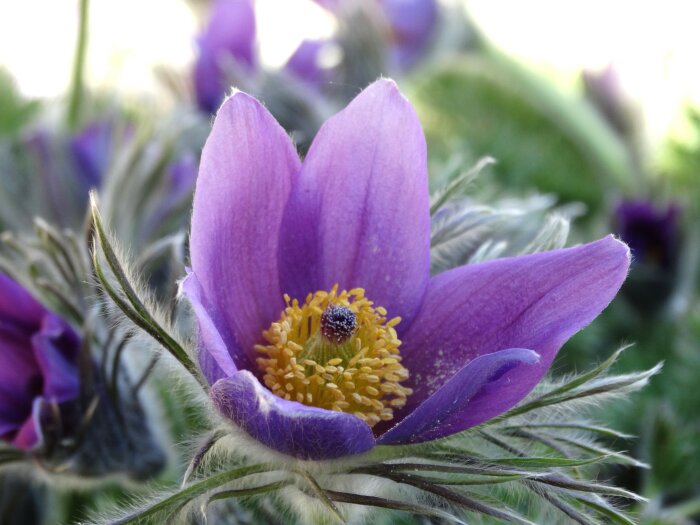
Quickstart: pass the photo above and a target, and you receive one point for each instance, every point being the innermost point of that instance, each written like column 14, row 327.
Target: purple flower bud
column 38, row 364
column 650, row 232
column 228, row 36
column 605, row 93
column 182, row 174
column 305, row 63
column 654, row 236
column 92, row 152
column 413, row 24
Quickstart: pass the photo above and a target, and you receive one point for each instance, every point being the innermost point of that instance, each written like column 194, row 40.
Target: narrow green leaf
column 546, row 463
column 321, row 495
column 457, row 181
column 191, row 492
column 252, row 491
column 373, row 501
column 614, row 515
column 466, row 482
column 230, row 494
column 137, row 311
column 65, row 302
column 608, row 454
column 556, row 501
column 55, row 243
column 565, row 482
column 586, row 376
column 596, row 387
column 594, row 429
column 460, row 499
column 477, row 470
column 201, row 453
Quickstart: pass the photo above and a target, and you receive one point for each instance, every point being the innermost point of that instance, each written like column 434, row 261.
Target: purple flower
column 604, row 91
column 650, row 232
column 306, row 65
column 182, row 174
column 412, row 25
column 92, row 152
column 228, row 37
column 320, row 328
column 38, row 364
column 653, row 235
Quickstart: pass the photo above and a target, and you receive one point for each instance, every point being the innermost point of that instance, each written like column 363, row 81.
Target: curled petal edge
column 484, row 386
column 286, row 426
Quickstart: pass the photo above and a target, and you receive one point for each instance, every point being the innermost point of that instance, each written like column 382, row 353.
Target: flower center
column 336, row 351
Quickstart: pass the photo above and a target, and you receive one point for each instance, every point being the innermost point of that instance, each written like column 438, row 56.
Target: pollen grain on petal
column 336, row 351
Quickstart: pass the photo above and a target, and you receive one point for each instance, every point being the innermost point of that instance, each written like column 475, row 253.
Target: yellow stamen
column 350, row 370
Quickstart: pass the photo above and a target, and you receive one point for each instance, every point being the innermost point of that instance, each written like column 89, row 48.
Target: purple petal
column 305, row 62
column 288, row 427
column 230, row 35
column 20, row 376
column 17, row 306
column 29, row 434
column 535, row 301
column 214, row 356
column 247, row 168
column 56, row 348
column 359, row 214
column 16, row 402
column 479, row 391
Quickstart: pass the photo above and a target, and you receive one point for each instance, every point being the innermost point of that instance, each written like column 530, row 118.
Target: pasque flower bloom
column 320, row 328
column 38, row 364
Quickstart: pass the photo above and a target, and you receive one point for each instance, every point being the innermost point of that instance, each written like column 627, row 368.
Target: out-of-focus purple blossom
column 654, row 236
column 306, row 64
column 182, row 175
column 651, row 232
column 412, row 25
column 229, row 37
column 604, row 91
column 38, row 364
column 173, row 196
column 315, row 373
column 92, row 150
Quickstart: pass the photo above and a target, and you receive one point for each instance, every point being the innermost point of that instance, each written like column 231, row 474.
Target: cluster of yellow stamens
column 336, row 351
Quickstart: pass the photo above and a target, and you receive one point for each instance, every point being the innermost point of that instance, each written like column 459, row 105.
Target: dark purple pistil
column 338, row 324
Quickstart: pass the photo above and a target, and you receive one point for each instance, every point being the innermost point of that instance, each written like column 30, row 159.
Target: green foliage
column 15, row 112
column 538, row 136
